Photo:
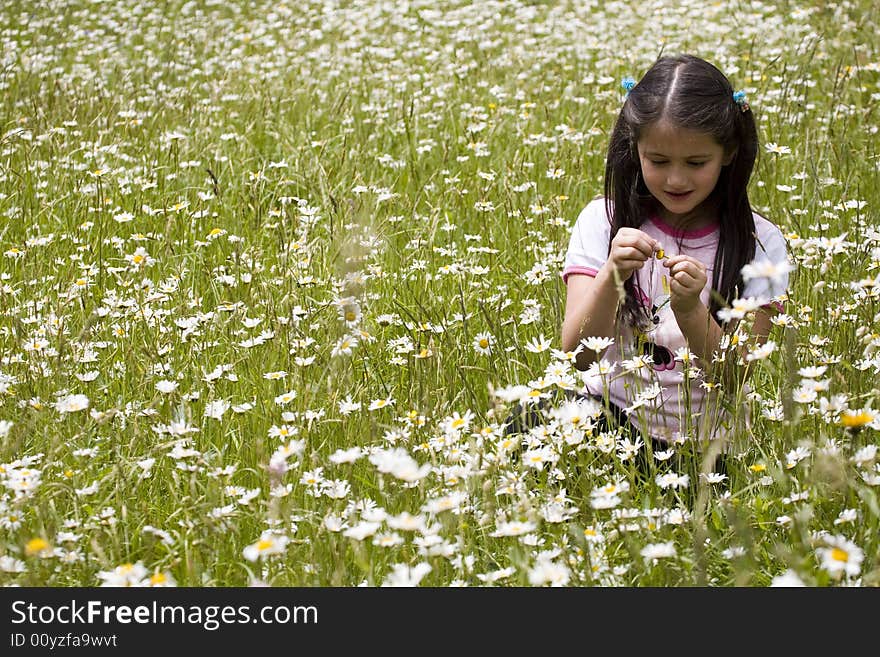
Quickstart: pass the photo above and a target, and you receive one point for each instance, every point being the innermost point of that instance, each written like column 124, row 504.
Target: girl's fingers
column 630, row 265
column 695, row 269
column 687, row 280
column 636, row 239
column 631, row 253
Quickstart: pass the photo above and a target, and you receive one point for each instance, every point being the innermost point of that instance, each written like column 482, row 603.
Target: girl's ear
column 728, row 158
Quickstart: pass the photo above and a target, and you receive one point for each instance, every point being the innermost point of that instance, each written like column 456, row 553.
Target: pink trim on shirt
column 676, row 232
column 587, row 271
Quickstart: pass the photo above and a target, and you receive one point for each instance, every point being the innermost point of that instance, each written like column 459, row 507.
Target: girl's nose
column 676, row 177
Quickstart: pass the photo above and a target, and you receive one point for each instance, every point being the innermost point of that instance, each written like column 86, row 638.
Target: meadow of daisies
column 275, row 273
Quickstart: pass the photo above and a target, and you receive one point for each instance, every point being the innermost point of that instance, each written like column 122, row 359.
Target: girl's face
column 680, row 168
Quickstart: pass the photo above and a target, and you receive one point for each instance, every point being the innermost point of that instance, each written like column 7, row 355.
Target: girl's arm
column 590, row 310
column 591, row 302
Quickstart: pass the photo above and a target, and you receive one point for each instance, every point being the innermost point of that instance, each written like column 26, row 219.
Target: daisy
column 496, row 575
column 713, row 477
column 400, row 464
column 447, row 503
column 37, row 547
column 344, row 346
column 285, row 398
column 140, row 258
column 567, row 356
column 601, row 368
column 538, row 345
column 772, row 147
column 215, row 409
column 405, row 521
column 865, row 456
column 165, row 386
column 596, row 343
column 787, row 579
column 346, row 455
column 387, row 539
column 846, row 516
column 654, row 551
column 856, row 419
column 761, row 352
column 313, row 480
column 127, row 574
column 334, row 523
column 546, row 571
column 270, row 543
column 405, row 575
column 840, row 556
column 513, row 528
column 274, row 376
column 813, row 372
column 483, row 343
column 457, row 423
column 10, row 564
column 284, row 431
column 740, row 308
column 637, row 363
column 378, row 404
column 336, row 489
column 577, row 413
column 362, row 530
column 160, row 579
column 72, row 403
column 347, row 406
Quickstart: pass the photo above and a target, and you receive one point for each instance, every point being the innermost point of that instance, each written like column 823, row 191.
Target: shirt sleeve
column 772, row 263
column 588, row 245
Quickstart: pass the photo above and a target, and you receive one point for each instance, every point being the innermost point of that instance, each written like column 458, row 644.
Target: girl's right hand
column 630, row 250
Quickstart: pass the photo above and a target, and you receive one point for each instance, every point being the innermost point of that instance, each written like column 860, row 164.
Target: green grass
column 283, row 164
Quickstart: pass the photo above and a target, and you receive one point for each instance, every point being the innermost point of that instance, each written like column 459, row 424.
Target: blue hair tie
column 627, row 83
column 739, row 97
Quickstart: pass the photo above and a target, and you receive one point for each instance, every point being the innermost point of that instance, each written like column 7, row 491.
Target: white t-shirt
column 656, row 396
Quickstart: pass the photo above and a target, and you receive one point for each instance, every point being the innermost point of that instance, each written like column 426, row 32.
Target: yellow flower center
column 35, row 545
column 839, row 555
column 860, row 419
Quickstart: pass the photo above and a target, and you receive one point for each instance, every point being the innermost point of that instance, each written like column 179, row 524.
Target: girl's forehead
column 665, row 136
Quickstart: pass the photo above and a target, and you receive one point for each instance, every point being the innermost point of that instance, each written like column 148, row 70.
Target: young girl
column 651, row 265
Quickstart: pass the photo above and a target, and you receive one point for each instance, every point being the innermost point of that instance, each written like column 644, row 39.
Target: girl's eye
column 658, row 162
column 696, row 164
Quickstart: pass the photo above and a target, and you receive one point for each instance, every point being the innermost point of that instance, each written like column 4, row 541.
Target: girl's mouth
column 678, row 195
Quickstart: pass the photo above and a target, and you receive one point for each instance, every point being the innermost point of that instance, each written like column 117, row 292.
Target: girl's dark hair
column 690, row 93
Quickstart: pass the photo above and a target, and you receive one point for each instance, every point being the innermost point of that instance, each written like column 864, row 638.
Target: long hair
column 690, row 93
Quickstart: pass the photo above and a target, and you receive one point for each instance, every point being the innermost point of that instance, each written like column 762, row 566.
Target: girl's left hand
column 687, row 278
